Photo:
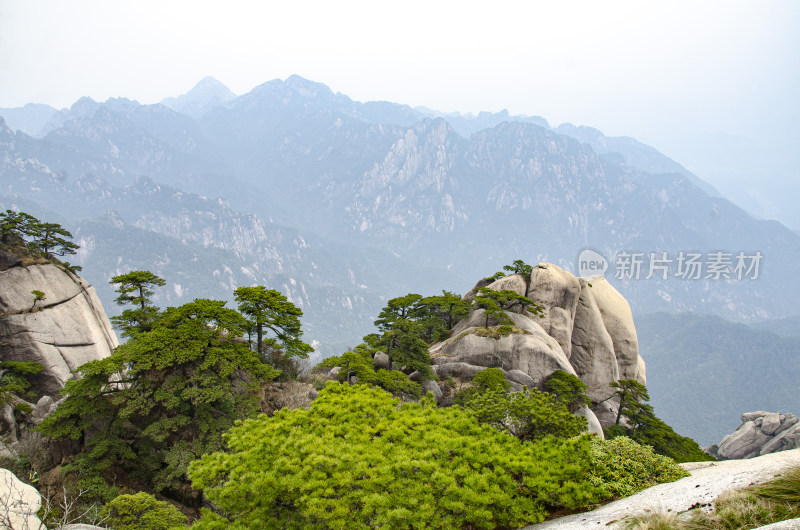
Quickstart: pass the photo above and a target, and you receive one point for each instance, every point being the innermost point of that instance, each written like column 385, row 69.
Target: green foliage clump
column 528, row 415
column 621, row 467
column 163, row 398
column 358, row 459
column 519, row 267
column 142, row 511
column 29, row 235
column 496, row 303
column 15, row 378
column 568, row 389
column 276, row 323
column 359, row 363
column 490, row 379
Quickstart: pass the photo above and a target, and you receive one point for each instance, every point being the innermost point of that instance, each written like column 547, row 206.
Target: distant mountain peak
column 204, row 96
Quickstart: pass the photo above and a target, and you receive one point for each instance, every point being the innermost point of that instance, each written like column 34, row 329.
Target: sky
column 663, row 72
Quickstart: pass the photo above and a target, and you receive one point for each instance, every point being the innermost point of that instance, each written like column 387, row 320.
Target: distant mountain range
column 704, row 372
column 344, row 204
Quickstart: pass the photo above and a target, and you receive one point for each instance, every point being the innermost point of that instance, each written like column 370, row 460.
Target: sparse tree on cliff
column 135, row 288
column 276, row 322
column 51, row 239
column 16, row 226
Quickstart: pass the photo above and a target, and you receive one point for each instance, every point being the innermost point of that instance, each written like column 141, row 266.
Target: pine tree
column 135, row 288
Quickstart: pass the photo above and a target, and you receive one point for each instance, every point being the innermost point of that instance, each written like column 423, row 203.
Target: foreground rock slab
column 19, row 503
column 707, row 482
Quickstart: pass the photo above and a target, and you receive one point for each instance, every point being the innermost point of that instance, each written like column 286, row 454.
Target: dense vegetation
column 357, row 458
column 175, row 411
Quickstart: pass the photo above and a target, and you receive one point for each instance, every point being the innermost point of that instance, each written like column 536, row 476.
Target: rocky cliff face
column 62, row 331
column 585, row 329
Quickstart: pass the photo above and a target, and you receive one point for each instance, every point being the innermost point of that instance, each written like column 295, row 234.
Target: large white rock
column 618, row 320
column 593, row 356
column 535, row 353
column 63, row 331
column 557, row 291
column 19, row 503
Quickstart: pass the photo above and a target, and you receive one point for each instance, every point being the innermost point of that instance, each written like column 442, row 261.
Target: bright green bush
column 142, row 512
column 568, row 389
column 529, row 415
column 358, row 458
column 622, row 467
column 491, row 379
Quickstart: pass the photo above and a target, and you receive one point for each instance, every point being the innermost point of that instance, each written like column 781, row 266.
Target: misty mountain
column 703, row 372
column 468, row 124
column 206, row 95
column 417, row 204
column 29, row 119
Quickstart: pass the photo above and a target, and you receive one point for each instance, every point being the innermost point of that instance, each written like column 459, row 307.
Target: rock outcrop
column 585, row 328
column 61, row 330
column 19, row 503
column 760, row 433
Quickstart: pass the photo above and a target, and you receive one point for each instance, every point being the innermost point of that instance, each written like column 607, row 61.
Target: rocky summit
column 585, row 328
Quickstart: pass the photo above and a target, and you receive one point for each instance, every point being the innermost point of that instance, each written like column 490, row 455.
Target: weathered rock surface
column 63, row 331
column 594, row 424
column 618, row 320
column 586, row 329
column 760, row 433
column 19, row 503
column 557, row 291
column 533, row 352
column 707, row 482
column 593, row 355
column 381, row 361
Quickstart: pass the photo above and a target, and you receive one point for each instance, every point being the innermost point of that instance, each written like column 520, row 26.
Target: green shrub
column 568, row 389
column 529, row 415
column 491, row 379
column 622, row 467
column 142, row 512
column 358, row 458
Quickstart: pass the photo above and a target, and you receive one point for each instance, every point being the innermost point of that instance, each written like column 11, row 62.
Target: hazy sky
column 645, row 69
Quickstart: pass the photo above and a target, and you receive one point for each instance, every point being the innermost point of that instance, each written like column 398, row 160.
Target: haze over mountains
column 342, row 204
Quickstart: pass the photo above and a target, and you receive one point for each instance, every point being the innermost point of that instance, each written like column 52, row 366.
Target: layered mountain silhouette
column 386, row 199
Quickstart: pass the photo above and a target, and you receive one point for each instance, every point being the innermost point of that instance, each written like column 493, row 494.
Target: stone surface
column 433, row 387
column 593, row 355
column 381, row 361
column 8, row 260
column 618, row 320
column 65, row 330
column 792, row 524
column 760, row 433
column 19, row 503
column 534, row 352
column 587, row 330
column 707, row 482
column 557, row 292
column 514, row 282
column 594, row 426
